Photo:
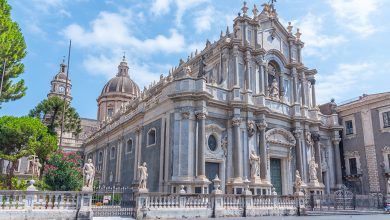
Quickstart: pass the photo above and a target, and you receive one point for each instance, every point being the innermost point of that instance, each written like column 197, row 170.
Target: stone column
column 248, row 73
column 313, row 93
column 261, row 83
column 263, row 150
column 137, row 156
column 237, row 152
column 317, row 150
column 201, row 116
column 266, row 80
column 236, row 70
column 303, row 88
column 298, row 151
column 295, row 84
column 337, row 158
column 118, row 161
column 281, row 87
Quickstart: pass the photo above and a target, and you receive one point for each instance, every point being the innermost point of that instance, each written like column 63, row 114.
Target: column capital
column 138, row 129
column 201, row 115
column 315, row 136
column 297, row 133
column 336, row 141
column 185, row 115
column 236, row 121
column 261, row 126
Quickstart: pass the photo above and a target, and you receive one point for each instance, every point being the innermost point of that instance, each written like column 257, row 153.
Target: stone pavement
column 334, row 217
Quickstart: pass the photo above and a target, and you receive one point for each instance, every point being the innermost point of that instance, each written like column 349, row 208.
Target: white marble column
column 317, row 153
column 201, row 116
column 237, row 152
column 337, row 158
column 236, row 70
column 263, row 150
column 313, row 93
column 298, row 151
column 248, row 73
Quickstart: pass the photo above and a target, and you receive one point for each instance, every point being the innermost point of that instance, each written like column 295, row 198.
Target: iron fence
column 113, row 201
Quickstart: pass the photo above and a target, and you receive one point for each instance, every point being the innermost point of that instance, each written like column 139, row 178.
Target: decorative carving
column 185, row 115
column 188, row 71
column 255, row 165
column 386, row 149
column 200, row 115
column 202, row 67
column 280, row 136
column 274, row 90
column 89, row 175
column 315, row 136
column 351, row 154
column 251, row 128
column 261, row 126
column 142, row 175
column 297, row 133
column 313, row 170
column 236, row 121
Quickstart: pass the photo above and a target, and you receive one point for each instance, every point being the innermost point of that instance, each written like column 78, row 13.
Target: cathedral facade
column 243, row 109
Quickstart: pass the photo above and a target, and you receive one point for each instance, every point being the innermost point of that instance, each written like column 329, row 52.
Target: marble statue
column 255, row 165
column 37, row 167
column 313, row 170
column 274, row 90
column 298, row 181
column 309, row 140
column 142, row 175
column 89, row 173
column 388, row 186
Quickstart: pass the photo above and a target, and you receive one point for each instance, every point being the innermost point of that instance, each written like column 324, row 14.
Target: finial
column 227, row 31
column 298, row 34
column 289, row 27
column 244, row 9
column 63, row 59
column 221, row 35
column 255, row 11
column 124, row 56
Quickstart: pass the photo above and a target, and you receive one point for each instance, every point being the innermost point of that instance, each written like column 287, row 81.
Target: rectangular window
column 386, row 119
column 249, row 36
column 348, row 127
column 352, row 166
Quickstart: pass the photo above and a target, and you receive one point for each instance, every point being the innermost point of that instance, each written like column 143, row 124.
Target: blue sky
column 345, row 40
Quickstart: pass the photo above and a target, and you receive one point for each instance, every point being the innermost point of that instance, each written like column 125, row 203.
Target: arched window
column 100, row 157
column 110, row 112
column 212, row 142
column 112, row 153
column 129, row 146
column 151, row 137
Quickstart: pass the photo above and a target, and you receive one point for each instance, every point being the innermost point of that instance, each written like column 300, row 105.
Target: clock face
column 61, row 89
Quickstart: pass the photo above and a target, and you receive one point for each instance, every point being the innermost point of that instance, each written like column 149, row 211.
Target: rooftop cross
column 124, row 56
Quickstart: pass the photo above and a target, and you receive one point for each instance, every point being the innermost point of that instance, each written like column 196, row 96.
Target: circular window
column 212, row 142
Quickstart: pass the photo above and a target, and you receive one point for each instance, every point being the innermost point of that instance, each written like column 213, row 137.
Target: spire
column 244, row 9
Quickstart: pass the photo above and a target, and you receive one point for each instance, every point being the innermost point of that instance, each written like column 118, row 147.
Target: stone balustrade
column 16, row 204
column 157, row 205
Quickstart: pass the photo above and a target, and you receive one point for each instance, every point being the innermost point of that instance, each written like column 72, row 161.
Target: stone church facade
column 243, row 109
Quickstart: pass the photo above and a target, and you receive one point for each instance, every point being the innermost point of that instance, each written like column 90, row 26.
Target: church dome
column 121, row 83
column 61, row 75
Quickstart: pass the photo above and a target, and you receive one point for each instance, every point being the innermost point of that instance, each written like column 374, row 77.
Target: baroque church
column 242, row 110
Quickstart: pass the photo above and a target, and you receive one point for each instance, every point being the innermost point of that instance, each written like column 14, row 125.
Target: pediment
column 280, row 136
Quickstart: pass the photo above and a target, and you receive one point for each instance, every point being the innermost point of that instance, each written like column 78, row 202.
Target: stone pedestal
column 315, row 187
column 85, row 201
column 201, row 185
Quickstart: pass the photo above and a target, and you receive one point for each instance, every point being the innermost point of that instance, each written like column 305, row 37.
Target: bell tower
column 60, row 85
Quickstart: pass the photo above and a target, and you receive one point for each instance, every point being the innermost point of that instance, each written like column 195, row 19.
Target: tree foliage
column 63, row 171
column 50, row 110
column 12, row 50
column 20, row 137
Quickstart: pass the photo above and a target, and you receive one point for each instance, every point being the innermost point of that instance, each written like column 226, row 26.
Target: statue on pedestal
column 388, row 186
column 142, row 175
column 255, row 165
column 298, row 182
column 313, row 170
column 89, row 174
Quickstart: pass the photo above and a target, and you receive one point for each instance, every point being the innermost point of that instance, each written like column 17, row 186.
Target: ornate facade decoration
column 251, row 128
column 236, row 122
column 280, row 136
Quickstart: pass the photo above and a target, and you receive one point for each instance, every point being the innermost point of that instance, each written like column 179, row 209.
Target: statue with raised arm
column 298, row 181
column 89, row 174
column 274, row 89
column 142, row 175
column 255, row 165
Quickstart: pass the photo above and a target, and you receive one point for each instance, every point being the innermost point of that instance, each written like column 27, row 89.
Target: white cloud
column 356, row 15
column 160, row 7
column 183, row 6
column 316, row 42
column 204, row 19
column 351, row 80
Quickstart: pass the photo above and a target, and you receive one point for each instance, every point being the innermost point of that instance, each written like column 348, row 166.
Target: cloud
column 160, row 7
column 204, row 19
column 349, row 80
column 356, row 15
column 183, row 6
column 316, row 42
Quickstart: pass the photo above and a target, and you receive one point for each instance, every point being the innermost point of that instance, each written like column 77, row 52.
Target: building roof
column 362, row 100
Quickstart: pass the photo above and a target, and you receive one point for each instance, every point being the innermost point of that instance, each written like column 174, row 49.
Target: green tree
column 49, row 111
column 63, row 171
column 12, row 50
column 47, row 145
column 19, row 137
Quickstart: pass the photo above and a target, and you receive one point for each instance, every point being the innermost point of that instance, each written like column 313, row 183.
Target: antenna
column 66, row 94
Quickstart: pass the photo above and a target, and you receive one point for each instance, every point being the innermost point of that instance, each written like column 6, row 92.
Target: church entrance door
column 276, row 175
column 212, row 169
